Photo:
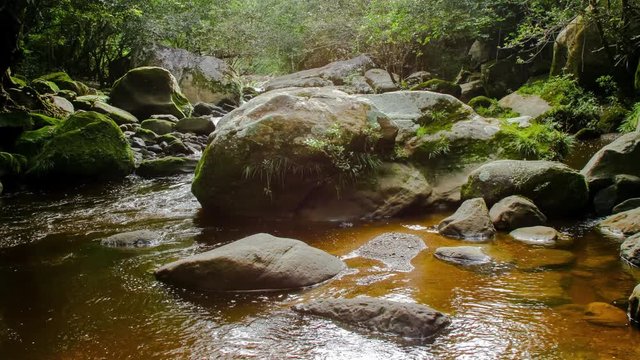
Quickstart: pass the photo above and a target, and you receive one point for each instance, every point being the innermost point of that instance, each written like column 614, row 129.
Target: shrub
column 630, row 123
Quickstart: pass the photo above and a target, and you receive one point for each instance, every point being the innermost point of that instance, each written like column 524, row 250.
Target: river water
column 64, row 296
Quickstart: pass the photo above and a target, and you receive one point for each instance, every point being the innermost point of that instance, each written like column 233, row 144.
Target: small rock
column 470, row 222
column 197, row 125
column 118, row 115
column 404, row 319
column 515, row 212
column 63, row 104
column 630, row 250
column 136, row 142
column 155, row 148
column 606, row 315
column 257, row 262
column 536, row 235
column 626, row 205
column 160, row 127
column 166, row 166
column 626, row 223
column 396, row 250
column 463, row 255
column 167, row 117
column 133, row 239
column 204, row 109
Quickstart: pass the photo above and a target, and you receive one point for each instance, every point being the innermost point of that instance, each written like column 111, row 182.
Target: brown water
column 64, row 296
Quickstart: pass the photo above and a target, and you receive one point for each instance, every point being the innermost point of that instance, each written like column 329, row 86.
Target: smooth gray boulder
column 536, row 235
column 404, row 319
column 515, row 212
column 470, row 222
column 463, row 255
column 380, row 80
column 196, row 125
column 525, row 105
column 257, row 262
column 620, row 157
column 554, row 187
column 626, row 223
column 335, row 73
column 630, row 250
column 132, row 239
column 395, row 250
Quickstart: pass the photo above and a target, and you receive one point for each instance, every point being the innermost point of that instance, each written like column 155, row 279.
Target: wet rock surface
column 404, row 319
column 463, row 255
column 132, row 239
column 515, row 212
column 395, row 250
column 536, row 235
column 470, row 222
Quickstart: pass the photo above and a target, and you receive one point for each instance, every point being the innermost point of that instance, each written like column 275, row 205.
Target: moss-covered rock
column 40, row 120
column 86, row 102
column 196, row 125
column 30, row 143
column 160, row 127
column 11, row 164
column 45, row 87
column 440, row 86
column 64, row 82
column 503, row 76
column 637, row 80
column 554, row 187
column 488, row 107
column 166, row 166
column 150, row 91
column 87, row 146
column 611, row 119
column 120, row 116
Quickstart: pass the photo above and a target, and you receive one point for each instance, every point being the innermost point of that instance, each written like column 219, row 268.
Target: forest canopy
column 89, row 38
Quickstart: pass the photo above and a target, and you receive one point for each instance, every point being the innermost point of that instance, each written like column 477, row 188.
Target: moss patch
column 440, row 86
column 30, row 143
column 166, row 166
column 11, row 164
column 441, row 117
column 488, row 107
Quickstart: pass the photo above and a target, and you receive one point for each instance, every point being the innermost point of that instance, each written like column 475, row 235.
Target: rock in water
column 626, row 223
column 627, row 205
column 166, row 166
column 606, row 315
column 470, row 222
column 624, row 187
column 404, row 319
column 257, row 262
column 149, row 91
column 463, row 255
column 545, row 259
column 634, row 306
column 133, row 239
column 516, row 212
column 396, row 250
column 536, row 235
column 553, row 186
column 630, row 250
column 620, row 157
column 87, row 145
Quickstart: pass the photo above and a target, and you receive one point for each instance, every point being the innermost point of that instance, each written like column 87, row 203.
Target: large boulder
column 336, row 73
column 525, row 104
column 257, row 262
column 87, row 145
column 273, row 153
column 624, row 187
column 630, row 250
column 147, row 91
column 622, row 224
column 404, row 319
column 515, row 212
column 554, row 187
column 620, row 157
column 503, row 76
column 470, row 222
column 201, row 78
column 64, row 82
column 578, row 51
column 380, row 80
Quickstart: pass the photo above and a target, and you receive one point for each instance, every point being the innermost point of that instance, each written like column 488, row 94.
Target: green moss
column 18, row 81
column 146, row 134
column 30, row 143
column 168, row 138
column 540, row 141
column 440, row 86
column 65, row 82
column 11, row 164
column 611, row 118
column 40, row 120
column 630, row 123
column 45, row 87
column 88, row 145
column 21, row 120
column 441, row 117
column 488, row 107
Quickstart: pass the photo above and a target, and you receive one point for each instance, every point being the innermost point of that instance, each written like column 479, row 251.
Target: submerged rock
column 149, row 91
column 606, row 315
column 463, row 255
column 626, row 223
column 536, row 235
column 515, row 212
column 133, row 239
column 404, row 319
column 470, row 222
column 554, row 187
column 166, row 166
column 630, row 250
column 257, row 262
column 395, row 250
column 545, row 259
